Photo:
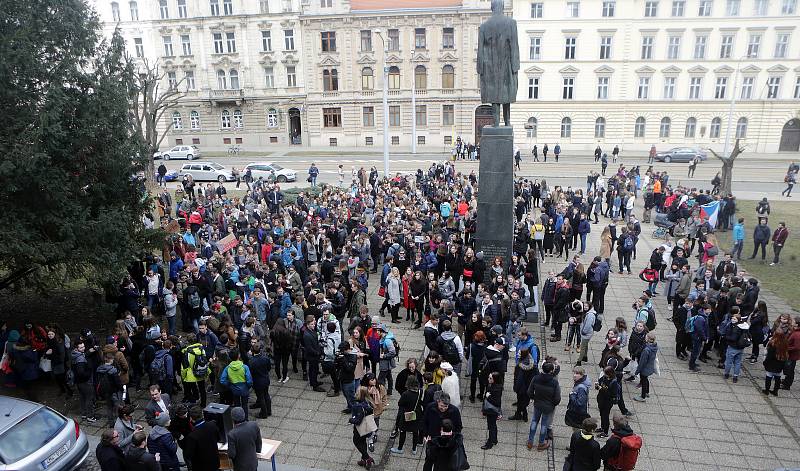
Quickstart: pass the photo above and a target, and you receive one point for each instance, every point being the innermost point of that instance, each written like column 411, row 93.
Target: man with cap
column 162, row 444
column 244, row 442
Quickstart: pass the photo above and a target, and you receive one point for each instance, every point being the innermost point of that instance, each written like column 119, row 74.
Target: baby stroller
column 663, row 226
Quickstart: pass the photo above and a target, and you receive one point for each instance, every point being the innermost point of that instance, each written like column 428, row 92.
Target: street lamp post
column 385, row 106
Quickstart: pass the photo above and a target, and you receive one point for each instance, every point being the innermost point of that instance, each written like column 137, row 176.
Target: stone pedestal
column 495, row 228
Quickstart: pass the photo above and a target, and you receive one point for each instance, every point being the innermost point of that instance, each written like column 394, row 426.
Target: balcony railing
column 395, row 92
column 420, row 91
column 225, row 93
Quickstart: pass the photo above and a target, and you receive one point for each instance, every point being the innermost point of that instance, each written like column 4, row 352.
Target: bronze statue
column 498, row 62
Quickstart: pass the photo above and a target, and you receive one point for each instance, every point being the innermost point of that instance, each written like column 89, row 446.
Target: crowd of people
column 245, row 284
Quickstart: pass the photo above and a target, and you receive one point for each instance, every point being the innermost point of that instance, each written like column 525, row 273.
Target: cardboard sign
column 226, row 243
column 173, row 227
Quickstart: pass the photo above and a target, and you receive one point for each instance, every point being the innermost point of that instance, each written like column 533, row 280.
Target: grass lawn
column 780, row 279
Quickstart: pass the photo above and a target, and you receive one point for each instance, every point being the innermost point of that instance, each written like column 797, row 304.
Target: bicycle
column 234, row 150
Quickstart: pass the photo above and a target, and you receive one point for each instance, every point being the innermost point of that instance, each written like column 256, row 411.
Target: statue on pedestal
column 498, row 62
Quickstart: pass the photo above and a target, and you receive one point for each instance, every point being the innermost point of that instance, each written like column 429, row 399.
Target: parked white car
column 207, row 171
column 264, row 170
column 179, row 152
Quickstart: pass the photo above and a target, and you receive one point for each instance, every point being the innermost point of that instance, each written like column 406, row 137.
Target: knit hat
column 163, row 419
column 237, row 414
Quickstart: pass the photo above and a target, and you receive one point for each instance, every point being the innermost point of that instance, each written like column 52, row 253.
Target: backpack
column 103, row 388
column 396, row 346
column 689, row 324
column 744, row 339
column 194, row 300
column 450, row 351
column 628, row 452
column 158, row 368
column 598, row 323
column 651, row 323
column 628, row 244
column 200, row 367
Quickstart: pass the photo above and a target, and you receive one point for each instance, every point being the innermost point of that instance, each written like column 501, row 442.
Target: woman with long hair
column 361, row 409
column 378, row 399
column 409, row 415
column 408, row 302
column 282, row 344
column 492, row 408
column 758, row 320
column 777, row 354
column 418, row 288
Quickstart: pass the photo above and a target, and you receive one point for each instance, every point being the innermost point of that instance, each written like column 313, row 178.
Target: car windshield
column 217, row 167
column 30, row 434
column 276, row 167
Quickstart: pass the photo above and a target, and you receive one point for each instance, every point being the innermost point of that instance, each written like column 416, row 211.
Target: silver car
column 34, row 437
column 264, row 170
column 179, row 152
column 680, row 154
column 207, row 171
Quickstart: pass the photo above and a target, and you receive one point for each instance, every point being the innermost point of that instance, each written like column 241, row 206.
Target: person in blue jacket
column 237, row 378
column 647, row 365
column 584, row 228
column 738, row 239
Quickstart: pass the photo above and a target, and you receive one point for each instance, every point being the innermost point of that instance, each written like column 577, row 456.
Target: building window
column 328, row 41
column 720, row 87
column 705, row 8
column 773, row 87
column 188, row 76
column 234, row 76
column 605, row 47
column 326, row 3
column 732, row 7
column 608, row 9
column 753, row 46
column 663, row 130
column 674, row 47
column 172, row 80
column 394, row 78
column 186, row 44
column 420, row 41
column 134, row 8
column 291, row 76
column 448, row 140
column 448, row 115
column 366, row 40
column 532, row 127
column 716, row 126
column 781, row 45
column 219, row 45
column 566, row 128
column 368, row 141
column 573, row 9
column 288, row 40
column 760, row 7
column 167, row 45
column 638, row 127
column 726, row 46
column 421, row 140
column 678, row 7
column 643, row 92
column 395, row 140
column 368, row 113
column 420, row 77
column 227, row 7
column 266, row 41
column 669, row 88
column 537, row 9
column 367, row 79
column 700, row 46
column 137, row 42
column 448, row 77
column 747, row 88
column 177, row 121
column 214, row 4
column 788, row 7
column 394, row 39
column 394, row 115
column 448, row 38
column 238, row 120
column 797, row 88
column 569, row 85
column 651, row 9
column 533, row 88
column 182, row 12
column 741, row 128
column 264, row 6
column 225, row 119
column 330, row 80
column 691, row 127
column 333, row 142
column 115, row 11
column 269, row 77
column 695, row 87
column 163, row 9
column 421, row 115
column 570, row 43
column 230, row 41
column 602, row 88
column 600, row 128
column 535, row 52
column 272, row 118
column 332, row 117
column 194, row 120
column 647, row 47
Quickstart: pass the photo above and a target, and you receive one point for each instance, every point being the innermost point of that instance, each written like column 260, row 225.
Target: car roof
column 201, row 162
column 13, row 409
column 259, row 163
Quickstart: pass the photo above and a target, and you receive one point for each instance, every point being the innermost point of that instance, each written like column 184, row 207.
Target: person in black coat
column 137, row 458
column 442, row 448
column 260, row 366
column 313, row 353
column 524, row 372
column 562, row 299
column 109, row 454
column 244, row 442
column 492, row 408
column 410, row 401
column 438, row 411
column 584, row 451
column 200, row 445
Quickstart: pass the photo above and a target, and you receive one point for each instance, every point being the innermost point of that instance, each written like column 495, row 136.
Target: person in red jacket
column 794, row 355
column 778, row 239
column 36, row 337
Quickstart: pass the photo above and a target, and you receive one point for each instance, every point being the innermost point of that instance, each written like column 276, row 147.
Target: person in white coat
column 450, row 384
column 394, row 294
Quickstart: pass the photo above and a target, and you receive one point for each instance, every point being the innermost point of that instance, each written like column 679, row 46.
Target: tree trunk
column 726, row 177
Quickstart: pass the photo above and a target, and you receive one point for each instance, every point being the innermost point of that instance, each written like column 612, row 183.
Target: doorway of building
column 483, row 117
column 295, row 126
column 790, row 136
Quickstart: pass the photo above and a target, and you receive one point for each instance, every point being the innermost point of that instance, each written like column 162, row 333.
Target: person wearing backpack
column 625, row 245
column 237, row 378
column 737, row 337
column 697, row 328
column 162, row 368
column 109, row 387
column 387, row 358
column 449, row 345
column 646, row 366
column 195, row 369
column 621, row 450
column 608, row 392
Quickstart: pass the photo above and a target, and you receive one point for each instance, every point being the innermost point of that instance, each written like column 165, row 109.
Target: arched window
column 330, row 80
column 448, row 77
column 600, row 128
column 234, row 74
column 238, row 120
column 638, row 127
column 226, row 119
column 367, row 79
column 222, row 81
column 691, row 127
column 741, row 128
column 394, row 78
column 194, row 120
column 177, row 121
column 663, row 131
column 566, row 128
column 272, row 118
column 115, row 11
column 716, row 126
column 531, row 128
column 420, row 77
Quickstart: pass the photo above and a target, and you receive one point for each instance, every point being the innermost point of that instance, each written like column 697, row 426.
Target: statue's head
column 497, row 6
